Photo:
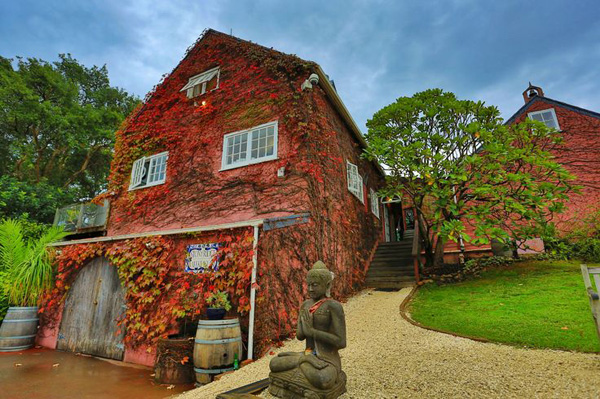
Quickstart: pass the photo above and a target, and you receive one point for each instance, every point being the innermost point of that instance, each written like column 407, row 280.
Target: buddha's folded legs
column 285, row 361
column 324, row 378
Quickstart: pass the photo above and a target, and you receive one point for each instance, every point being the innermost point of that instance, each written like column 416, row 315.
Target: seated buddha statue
column 316, row 372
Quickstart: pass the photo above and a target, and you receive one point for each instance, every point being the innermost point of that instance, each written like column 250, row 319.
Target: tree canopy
column 57, row 124
column 459, row 164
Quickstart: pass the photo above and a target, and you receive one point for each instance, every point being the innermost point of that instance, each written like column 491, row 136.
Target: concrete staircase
column 392, row 266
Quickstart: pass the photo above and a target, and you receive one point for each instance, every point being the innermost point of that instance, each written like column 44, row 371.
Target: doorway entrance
column 94, row 305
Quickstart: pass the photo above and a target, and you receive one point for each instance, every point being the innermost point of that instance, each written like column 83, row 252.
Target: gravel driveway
column 388, row 357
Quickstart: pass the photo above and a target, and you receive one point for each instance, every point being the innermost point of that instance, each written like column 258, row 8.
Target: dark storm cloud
column 375, row 51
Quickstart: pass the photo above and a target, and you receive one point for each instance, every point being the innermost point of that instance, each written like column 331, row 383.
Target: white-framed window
column 246, row 147
column 374, row 202
column 355, row 181
column 202, row 83
column 547, row 116
column 149, row 171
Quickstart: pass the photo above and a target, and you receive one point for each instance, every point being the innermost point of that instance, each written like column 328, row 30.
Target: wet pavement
column 49, row 374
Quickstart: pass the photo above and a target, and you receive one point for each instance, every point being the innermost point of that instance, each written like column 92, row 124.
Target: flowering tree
column 461, row 166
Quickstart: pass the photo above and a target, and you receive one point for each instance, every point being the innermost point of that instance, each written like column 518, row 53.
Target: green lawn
column 539, row 304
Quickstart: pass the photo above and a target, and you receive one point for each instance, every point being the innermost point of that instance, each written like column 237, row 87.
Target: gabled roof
column 536, row 99
column 324, row 83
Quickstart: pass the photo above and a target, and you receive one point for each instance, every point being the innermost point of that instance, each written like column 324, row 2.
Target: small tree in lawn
column 459, row 164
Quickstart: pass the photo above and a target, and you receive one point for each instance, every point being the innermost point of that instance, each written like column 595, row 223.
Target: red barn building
column 579, row 153
column 240, row 170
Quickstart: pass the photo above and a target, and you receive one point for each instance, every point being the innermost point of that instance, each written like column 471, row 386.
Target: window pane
column 157, row 169
column 537, row 117
column 236, row 148
column 270, row 145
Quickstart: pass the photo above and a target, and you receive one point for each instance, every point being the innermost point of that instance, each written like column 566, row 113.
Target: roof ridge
column 574, row 108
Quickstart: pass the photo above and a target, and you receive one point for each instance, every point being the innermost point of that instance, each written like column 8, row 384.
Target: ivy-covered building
column 579, row 152
column 239, row 171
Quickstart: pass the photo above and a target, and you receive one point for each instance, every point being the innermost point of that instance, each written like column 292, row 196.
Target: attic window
column 202, row 83
column 547, row 117
column 355, row 181
column 258, row 144
column 149, row 171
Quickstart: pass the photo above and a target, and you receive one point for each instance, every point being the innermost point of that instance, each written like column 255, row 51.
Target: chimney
column 531, row 92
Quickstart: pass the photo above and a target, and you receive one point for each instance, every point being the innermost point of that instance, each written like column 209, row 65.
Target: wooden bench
column 589, row 273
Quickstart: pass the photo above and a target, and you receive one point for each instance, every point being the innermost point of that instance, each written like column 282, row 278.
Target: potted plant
column 26, row 271
column 219, row 304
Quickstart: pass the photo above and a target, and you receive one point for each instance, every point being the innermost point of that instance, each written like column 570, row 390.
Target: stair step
column 394, row 269
column 395, row 244
column 406, row 251
column 391, row 262
column 393, row 257
column 391, row 265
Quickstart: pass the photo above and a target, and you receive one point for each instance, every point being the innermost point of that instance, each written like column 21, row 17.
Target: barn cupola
column 531, row 92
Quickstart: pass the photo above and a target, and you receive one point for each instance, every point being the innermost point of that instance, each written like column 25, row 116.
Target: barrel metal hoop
column 15, row 348
column 227, row 322
column 217, row 341
column 19, row 337
column 212, row 371
column 221, row 327
column 19, row 320
column 21, row 308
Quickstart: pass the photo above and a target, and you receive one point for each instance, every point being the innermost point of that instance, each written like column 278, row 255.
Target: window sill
column 147, row 185
column 253, row 162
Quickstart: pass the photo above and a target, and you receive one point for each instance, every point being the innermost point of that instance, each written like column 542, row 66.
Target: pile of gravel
column 387, row 357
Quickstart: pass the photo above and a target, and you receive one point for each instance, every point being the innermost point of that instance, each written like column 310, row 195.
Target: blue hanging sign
column 199, row 258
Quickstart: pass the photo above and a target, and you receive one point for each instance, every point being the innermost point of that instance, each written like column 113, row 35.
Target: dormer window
column 149, row 171
column 202, row 83
column 547, row 117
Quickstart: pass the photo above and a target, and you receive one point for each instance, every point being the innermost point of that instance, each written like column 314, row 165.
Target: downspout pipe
column 253, row 294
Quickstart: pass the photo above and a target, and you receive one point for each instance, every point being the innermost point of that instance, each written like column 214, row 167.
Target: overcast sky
column 375, row 51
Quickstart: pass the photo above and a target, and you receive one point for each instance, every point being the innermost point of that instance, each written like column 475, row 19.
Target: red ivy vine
column 158, row 291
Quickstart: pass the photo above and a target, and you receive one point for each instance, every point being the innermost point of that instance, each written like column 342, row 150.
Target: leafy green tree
column 57, row 124
column 459, row 165
column 35, row 202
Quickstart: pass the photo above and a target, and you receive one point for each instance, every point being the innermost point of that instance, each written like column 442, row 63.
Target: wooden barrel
column 174, row 361
column 215, row 347
column 18, row 329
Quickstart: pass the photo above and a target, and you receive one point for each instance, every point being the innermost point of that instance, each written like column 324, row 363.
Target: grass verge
column 540, row 304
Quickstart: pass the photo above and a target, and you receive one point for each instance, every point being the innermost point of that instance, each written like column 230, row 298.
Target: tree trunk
column 438, row 257
column 426, row 241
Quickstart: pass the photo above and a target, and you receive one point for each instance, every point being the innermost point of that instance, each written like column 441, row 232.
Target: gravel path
column 388, row 357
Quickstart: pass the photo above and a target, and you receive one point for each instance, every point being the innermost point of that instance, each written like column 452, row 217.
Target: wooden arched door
column 93, row 307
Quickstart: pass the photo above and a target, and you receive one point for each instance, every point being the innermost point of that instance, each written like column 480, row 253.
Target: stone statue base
column 292, row 384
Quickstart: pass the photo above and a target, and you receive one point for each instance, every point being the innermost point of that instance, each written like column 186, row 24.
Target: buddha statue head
column 319, row 280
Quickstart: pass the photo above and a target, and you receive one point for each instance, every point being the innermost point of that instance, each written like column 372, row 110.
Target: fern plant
column 25, row 266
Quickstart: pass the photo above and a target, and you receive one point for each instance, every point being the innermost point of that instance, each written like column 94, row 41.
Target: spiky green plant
column 25, row 266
